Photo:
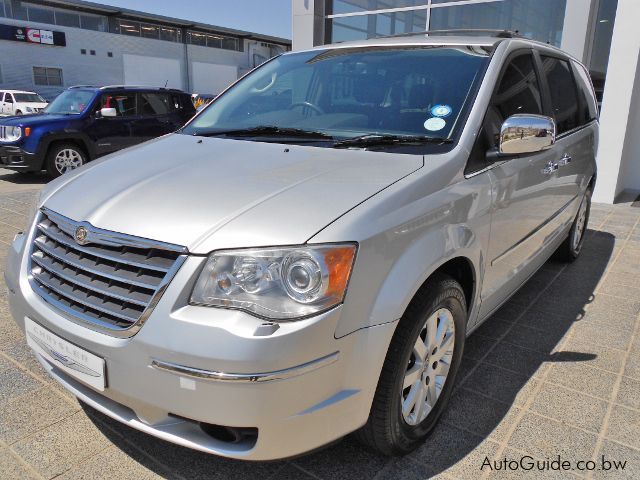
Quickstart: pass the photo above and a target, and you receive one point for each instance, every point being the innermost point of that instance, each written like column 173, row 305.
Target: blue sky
column 270, row 17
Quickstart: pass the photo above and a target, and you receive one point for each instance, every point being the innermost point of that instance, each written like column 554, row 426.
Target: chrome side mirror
column 524, row 133
column 108, row 112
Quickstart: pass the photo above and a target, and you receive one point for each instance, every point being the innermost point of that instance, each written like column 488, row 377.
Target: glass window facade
column 47, row 76
column 538, row 19
column 70, row 18
column 54, row 16
column 349, row 6
column 148, row 30
column 605, row 20
column 357, row 19
column 368, row 26
column 214, row 41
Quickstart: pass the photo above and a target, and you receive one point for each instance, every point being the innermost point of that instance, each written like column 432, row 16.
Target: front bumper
column 16, row 158
column 272, row 388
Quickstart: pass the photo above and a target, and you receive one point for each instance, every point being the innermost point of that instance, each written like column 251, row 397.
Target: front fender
column 404, row 237
column 46, row 139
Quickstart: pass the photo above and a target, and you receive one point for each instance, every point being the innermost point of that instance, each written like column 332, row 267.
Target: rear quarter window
column 588, row 105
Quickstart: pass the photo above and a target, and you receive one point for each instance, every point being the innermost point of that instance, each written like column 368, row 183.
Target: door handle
column 566, row 159
column 549, row 168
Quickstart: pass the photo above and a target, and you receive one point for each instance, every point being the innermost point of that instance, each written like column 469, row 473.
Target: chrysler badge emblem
column 81, row 235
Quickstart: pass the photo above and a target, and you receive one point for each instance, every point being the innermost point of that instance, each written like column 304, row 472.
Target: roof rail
column 83, row 86
column 104, row 87
column 489, row 32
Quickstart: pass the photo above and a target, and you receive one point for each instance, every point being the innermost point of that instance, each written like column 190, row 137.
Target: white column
column 577, row 27
column 307, row 23
column 619, row 140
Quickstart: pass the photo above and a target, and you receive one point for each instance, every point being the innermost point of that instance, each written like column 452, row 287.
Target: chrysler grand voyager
column 305, row 258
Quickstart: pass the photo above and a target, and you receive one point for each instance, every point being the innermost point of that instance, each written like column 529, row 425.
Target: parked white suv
column 17, row 102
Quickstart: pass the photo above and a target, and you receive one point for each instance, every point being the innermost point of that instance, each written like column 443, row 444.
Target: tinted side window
column 564, row 95
column 182, row 103
column 124, row 103
column 151, row 104
column 588, row 106
column 8, row 98
column 517, row 92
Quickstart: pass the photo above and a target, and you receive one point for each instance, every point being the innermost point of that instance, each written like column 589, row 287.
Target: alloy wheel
column 68, row 159
column 428, row 367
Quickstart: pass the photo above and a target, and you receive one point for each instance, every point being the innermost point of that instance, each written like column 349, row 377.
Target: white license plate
column 73, row 360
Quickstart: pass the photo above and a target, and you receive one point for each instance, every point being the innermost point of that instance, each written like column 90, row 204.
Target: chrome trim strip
column 95, row 271
column 101, row 326
column 87, row 286
column 74, row 246
column 105, row 237
column 76, row 299
column 245, row 377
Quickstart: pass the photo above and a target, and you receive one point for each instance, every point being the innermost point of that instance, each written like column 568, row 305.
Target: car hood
column 212, row 193
column 34, row 120
column 34, row 104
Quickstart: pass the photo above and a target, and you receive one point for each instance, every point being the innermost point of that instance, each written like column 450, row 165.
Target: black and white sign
column 32, row 35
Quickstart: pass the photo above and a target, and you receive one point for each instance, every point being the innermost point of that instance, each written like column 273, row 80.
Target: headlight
column 276, row 283
column 29, row 109
column 10, row 134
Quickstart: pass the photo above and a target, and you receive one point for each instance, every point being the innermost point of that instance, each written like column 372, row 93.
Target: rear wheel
column 64, row 157
column 571, row 247
column 419, row 370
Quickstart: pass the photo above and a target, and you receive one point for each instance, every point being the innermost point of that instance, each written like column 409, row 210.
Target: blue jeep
column 84, row 123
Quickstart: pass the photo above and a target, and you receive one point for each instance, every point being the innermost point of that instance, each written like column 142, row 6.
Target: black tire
column 570, row 249
column 18, row 112
column 386, row 430
column 56, row 149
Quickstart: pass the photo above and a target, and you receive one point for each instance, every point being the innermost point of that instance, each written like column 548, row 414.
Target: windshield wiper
column 267, row 130
column 376, row 140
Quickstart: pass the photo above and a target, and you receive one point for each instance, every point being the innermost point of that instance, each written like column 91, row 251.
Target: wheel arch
column 76, row 139
column 454, row 251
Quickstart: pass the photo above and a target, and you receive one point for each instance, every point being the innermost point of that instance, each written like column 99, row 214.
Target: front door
column 114, row 133
column 523, row 196
column 153, row 117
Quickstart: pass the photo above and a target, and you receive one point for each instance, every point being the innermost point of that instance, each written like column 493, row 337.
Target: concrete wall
column 619, row 148
column 308, row 23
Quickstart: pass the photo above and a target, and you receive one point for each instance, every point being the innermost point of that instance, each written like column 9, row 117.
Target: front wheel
column 63, row 158
column 18, row 113
column 419, row 370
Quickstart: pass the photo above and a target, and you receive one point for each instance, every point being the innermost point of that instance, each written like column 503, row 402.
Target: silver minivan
column 305, row 258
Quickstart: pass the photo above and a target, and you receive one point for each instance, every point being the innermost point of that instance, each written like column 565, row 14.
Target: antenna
column 165, row 83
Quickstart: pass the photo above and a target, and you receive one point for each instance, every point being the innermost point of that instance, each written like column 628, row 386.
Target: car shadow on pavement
column 26, row 178
column 506, row 362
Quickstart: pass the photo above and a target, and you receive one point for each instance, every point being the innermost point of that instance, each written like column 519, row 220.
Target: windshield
column 28, row 98
column 352, row 92
column 70, row 102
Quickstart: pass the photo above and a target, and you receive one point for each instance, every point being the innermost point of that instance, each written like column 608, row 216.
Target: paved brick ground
column 555, row 372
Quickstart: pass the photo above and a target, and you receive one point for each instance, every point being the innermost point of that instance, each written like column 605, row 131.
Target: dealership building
column 603, row 34
column 46, row 46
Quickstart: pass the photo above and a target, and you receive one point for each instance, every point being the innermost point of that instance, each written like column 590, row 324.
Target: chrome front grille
column 107, row 280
